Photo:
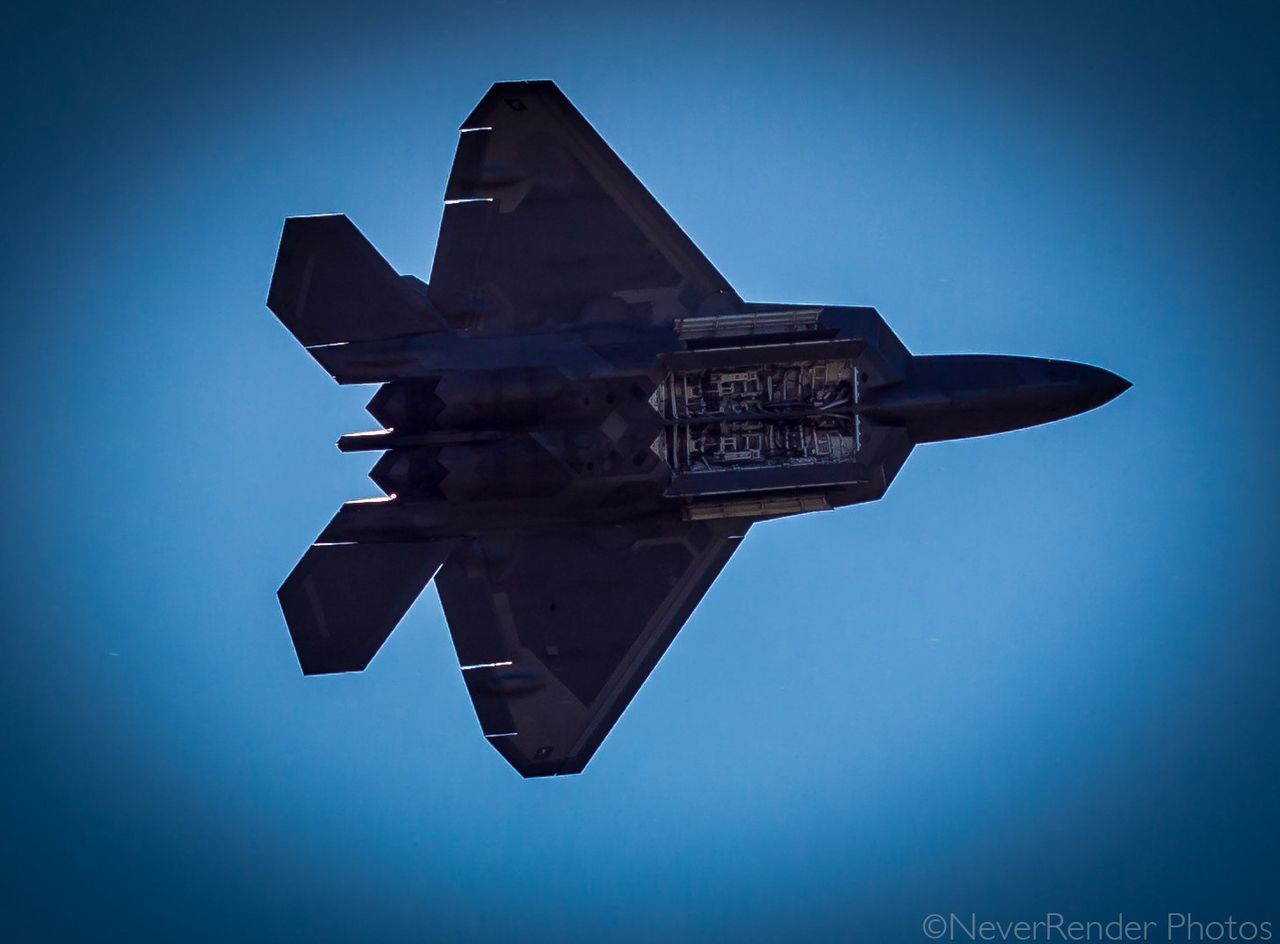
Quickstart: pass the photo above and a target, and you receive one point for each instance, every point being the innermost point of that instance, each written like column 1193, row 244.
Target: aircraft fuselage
column 778, row 411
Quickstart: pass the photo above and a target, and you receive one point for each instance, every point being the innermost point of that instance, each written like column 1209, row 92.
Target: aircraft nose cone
column 1101, row 386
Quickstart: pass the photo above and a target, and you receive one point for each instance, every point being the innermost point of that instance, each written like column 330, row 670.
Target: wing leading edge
column 556, row 630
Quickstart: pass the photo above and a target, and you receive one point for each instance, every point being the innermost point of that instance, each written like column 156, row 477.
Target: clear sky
column 1040, row 675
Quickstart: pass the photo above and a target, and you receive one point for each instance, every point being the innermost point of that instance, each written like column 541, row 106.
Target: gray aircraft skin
column 582, row 419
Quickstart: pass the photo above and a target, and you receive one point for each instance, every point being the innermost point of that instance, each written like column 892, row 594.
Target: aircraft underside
column 582, row 419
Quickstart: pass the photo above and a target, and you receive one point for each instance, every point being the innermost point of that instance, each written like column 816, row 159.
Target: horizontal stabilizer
column 330, row 285
column 342, row 600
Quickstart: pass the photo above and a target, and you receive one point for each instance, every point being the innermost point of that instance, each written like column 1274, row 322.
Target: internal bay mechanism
column 782, row 321
column 774, row 415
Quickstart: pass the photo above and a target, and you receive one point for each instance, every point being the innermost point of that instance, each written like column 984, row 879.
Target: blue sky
column 1038, row 676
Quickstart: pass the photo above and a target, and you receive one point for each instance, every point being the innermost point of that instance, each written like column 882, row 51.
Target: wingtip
column 512, row 89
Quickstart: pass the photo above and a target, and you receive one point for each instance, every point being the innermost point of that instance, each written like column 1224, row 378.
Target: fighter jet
column 581, row 420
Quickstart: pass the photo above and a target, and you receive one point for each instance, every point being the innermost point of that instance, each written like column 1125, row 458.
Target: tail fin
column 330, row 285
column 343, row 600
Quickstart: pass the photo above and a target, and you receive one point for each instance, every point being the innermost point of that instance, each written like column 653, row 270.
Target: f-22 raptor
column 582, row 420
